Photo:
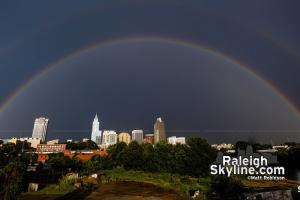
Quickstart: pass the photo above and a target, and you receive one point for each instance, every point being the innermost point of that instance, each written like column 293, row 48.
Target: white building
column 138, row 136
column 222, row 146
column 96, row 133
column 32, row 141
column 174, row 140
column 110, row 137
column 40, row 128
column 55, row 141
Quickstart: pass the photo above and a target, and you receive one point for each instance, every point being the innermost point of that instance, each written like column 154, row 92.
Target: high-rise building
column 40, row 128
column 175, row 140
column 159, row 131
column 96, row 133
column 138, row 136
column 149, row 138
column 109, row 138
column 124, row 137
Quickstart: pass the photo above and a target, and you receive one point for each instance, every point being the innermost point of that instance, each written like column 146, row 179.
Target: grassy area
column 180, row 184
column 65, row 186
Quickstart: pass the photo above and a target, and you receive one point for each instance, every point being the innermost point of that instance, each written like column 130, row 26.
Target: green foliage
column 200, row 155
column 180, row 184
column 62, row 164
column 88, row 145
column 132, row 157
column 192, row 159
column 11, row 177
column 64, row 186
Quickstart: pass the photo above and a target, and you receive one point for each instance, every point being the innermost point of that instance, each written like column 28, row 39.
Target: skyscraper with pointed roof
column 96, row 133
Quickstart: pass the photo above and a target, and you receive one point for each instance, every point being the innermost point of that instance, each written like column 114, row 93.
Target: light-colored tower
column 96, row 133
column 138, row 136
column 124, row 137
column 40, row 128
column 159, row 131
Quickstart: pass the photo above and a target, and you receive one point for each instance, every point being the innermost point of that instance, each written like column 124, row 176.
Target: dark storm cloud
column 263, row 35
column 130, row 83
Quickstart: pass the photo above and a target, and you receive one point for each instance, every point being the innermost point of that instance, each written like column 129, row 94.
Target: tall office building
column 96, row 133
column 159, row 131
column 40, row 128
column 124, row 137
column 138, row 136
column 109, row 138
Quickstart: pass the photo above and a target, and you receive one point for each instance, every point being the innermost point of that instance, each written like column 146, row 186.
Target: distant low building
column 55, row 141
column 176, row 140
column 280, row 147
column 84, row 155
column 85, row 139
column 51, row 148
column 124, row 137
column 222, row 146
column 149, row 138
column 32, row 142
column 13, row 140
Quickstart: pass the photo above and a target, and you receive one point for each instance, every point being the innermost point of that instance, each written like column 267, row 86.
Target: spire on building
column 96, row 133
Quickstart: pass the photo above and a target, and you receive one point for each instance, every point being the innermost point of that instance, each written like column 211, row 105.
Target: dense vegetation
column 12, row 170
column 187, row 165
column 192, row 159
column 87, row 145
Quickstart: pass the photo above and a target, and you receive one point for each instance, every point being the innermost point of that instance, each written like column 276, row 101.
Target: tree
column 11, row 177
column 163, row 157
column 200, row 156
column 133, row 156
column 116, row 154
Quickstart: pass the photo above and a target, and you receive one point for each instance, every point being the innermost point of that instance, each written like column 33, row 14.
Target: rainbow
column 46, row 69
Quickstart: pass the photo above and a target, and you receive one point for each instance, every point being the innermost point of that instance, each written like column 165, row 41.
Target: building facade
column 110, row 137
column 40, row 128
column 138, row 136
column 149, row 138
column 96, row 133
column 32, row 142
column 124, row 137
column 176, row 140
column 159, row 131
column 55, row 141
column 51, row 148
